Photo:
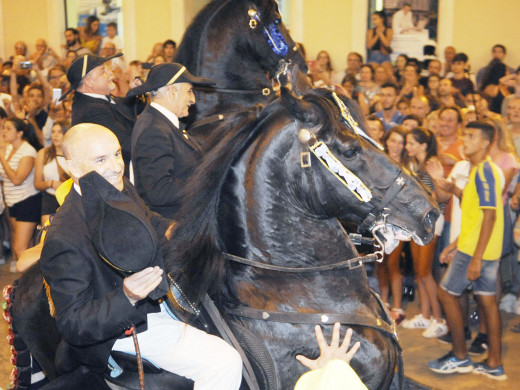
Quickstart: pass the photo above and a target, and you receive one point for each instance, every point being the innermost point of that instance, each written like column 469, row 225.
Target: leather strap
column 207, row 120
column 353, row 263
column 227, row 334
column 313, row 318
column 262, row 91
column 390, row 194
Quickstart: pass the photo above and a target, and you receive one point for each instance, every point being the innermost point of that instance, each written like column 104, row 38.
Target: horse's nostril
column 430, row 219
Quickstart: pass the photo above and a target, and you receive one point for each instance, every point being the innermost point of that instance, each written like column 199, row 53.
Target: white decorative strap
column 343, row 174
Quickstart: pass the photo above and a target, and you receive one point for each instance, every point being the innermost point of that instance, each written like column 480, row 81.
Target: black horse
column 267, row 206
column 241, row 44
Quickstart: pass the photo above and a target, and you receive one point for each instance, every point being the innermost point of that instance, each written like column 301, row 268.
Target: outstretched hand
column 332, row 351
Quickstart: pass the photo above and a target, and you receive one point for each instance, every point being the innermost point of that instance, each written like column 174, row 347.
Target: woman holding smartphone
column 50, row 170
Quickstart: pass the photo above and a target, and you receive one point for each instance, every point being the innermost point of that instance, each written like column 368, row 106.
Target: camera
column 26, row 65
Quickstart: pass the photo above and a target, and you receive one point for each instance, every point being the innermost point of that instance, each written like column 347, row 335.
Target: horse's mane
column 196, row 246
column 188, row 51
column 329, row 112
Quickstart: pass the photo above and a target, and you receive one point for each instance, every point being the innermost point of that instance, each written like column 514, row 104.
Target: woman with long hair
column 388, row 272
column 400, row 63
column 323, row 71
column 421, row 146
column 503, row 154
column 17, row 155
column 367, row 89
column 379, row 39
column 89, row 35
column 410, row 82
column 50, row 170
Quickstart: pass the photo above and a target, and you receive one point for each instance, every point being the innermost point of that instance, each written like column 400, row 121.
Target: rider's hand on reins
column 332, row 351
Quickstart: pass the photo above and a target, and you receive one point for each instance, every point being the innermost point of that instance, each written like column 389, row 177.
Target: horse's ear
column 302, row 110
column 299, row 80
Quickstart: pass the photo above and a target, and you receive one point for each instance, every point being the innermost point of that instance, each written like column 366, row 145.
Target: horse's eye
column 350, row 152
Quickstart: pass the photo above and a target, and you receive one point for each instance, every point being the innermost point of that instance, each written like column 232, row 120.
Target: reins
column 264, row 91
column 353, row 263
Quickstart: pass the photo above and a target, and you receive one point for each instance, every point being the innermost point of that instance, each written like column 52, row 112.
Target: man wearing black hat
column 102, row 261
column 163, row 155
column 93, row 82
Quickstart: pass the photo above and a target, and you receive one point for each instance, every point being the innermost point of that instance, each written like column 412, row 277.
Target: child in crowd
column 113, row 37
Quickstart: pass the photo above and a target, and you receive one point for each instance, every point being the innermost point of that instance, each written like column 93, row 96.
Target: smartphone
column 147, row 65
column 25, row 65
column 56, row 94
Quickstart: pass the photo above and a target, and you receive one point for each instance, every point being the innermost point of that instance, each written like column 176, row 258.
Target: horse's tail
column 20, row 354
column 34, row 336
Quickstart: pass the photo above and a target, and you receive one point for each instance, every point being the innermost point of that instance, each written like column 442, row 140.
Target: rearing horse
column 272, row 202
column 240, row 44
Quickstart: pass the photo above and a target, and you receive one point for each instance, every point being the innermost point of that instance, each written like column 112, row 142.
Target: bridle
column 276, row 41
column 278, row 45
column 376, row 219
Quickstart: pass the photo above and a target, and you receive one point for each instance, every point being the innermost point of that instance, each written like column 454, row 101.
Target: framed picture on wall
column 77, row 13
column 413, row 23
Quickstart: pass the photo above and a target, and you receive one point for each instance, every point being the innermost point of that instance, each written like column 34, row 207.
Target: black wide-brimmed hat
column 167, row 74
column 81, row 66
column 120, row 230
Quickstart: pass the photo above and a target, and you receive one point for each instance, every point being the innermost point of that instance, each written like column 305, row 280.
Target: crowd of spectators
column 32, row 80
column 417, row 111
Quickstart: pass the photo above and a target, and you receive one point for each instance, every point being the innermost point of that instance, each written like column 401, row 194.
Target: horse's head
column 353, row 179
column 269, row 40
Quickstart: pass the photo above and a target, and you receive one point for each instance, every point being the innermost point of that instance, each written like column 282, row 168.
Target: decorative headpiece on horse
column 275, row 39
column 333, row 165
column 330, row 161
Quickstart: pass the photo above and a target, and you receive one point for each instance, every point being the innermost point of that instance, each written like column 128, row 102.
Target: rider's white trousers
column 184, row 350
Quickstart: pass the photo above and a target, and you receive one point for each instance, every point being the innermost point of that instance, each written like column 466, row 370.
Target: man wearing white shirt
column 163, row 155
column 402, row 20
